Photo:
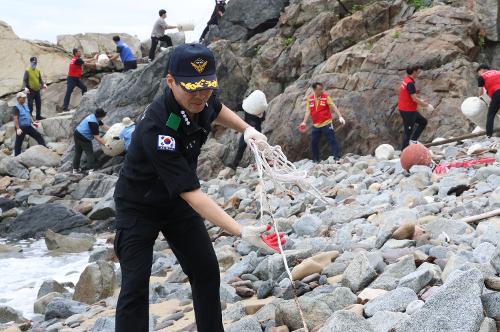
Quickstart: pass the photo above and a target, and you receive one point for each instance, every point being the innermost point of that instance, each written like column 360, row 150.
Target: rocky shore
column 389, row 252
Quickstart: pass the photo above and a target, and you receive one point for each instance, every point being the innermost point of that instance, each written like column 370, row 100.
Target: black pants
column 492, row 113
column 316, row 134
column 212, row 21
column 128, row 65
column 413, row 126
column 20, row 138
column 189, row 241
column 35, row 96
column 72, row 83
column 154, row 43
column 82, row 145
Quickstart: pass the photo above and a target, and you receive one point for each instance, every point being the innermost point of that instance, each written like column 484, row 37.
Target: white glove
column 252, row 133
column 342, row 120
column 26, row 90
column 19, row 132
column 430, row 108
column 254, row 236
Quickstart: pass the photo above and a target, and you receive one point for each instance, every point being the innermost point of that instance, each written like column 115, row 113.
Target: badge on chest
column 166, row 143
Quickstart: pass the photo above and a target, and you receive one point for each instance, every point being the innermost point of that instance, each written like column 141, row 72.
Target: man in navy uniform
column 158, row 191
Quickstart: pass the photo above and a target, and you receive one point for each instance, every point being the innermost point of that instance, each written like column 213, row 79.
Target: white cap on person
column 20, row 95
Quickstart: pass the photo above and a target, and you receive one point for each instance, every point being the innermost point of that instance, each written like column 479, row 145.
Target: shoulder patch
column 173, row 121
column 166, row 143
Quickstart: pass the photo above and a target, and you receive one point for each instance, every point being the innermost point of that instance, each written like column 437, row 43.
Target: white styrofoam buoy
column 113, row 146
column 476, row 110
column 255, row 103
column 384, row 152
column 102, row 61
column 185, row 26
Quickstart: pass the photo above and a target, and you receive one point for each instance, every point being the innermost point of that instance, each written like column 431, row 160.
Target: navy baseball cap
column 193, row 67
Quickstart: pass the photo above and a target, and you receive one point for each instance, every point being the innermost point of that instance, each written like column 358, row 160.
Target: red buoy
column 415, row 154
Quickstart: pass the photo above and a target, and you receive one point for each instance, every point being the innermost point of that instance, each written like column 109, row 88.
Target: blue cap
column 193, row 67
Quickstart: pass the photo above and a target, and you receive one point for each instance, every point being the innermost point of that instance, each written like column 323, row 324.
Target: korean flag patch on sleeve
column 166, row 143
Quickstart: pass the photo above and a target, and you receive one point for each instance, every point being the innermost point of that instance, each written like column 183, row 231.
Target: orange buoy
column 415, row 154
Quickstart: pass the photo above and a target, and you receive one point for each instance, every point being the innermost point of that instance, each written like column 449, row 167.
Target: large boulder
column 35, row 221
column 488, row 12
column 243, row 19
column 40, row 305
column 12, row 167
column 52, row 60
column 8, row 314
column 38, row 156
column 72, row 243
column 96, row 282
column 94, row 186
column 94, row 43
column 50, row 286
column 58, row 127
column 104, row 209
column 455, row 306
column 368, row 73
column 63, row 308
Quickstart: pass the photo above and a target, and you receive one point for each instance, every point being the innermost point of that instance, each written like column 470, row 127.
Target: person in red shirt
column 74, row 77
column 409, row 100
column 489, row 80
column 319, row 106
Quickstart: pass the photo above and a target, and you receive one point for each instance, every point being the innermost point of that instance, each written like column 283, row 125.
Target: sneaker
column 91, row 171
column 414, row 142
column 77, row 171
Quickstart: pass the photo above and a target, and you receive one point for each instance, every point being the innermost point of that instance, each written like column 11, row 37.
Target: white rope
column 271, row 161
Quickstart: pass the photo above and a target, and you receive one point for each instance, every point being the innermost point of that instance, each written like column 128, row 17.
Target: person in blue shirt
column 85, row 132
column 126, row 133
column 125, row 54
column 25, row 125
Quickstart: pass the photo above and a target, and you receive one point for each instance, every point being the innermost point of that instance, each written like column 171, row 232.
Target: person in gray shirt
column 158, row 33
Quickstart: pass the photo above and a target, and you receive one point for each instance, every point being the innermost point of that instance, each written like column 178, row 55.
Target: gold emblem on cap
column 199, row 65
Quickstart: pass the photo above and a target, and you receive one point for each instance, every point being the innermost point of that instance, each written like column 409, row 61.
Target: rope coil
column 272, row 162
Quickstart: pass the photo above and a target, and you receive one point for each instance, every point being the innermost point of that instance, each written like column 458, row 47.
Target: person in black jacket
column 158, row 190
column 220, row 8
